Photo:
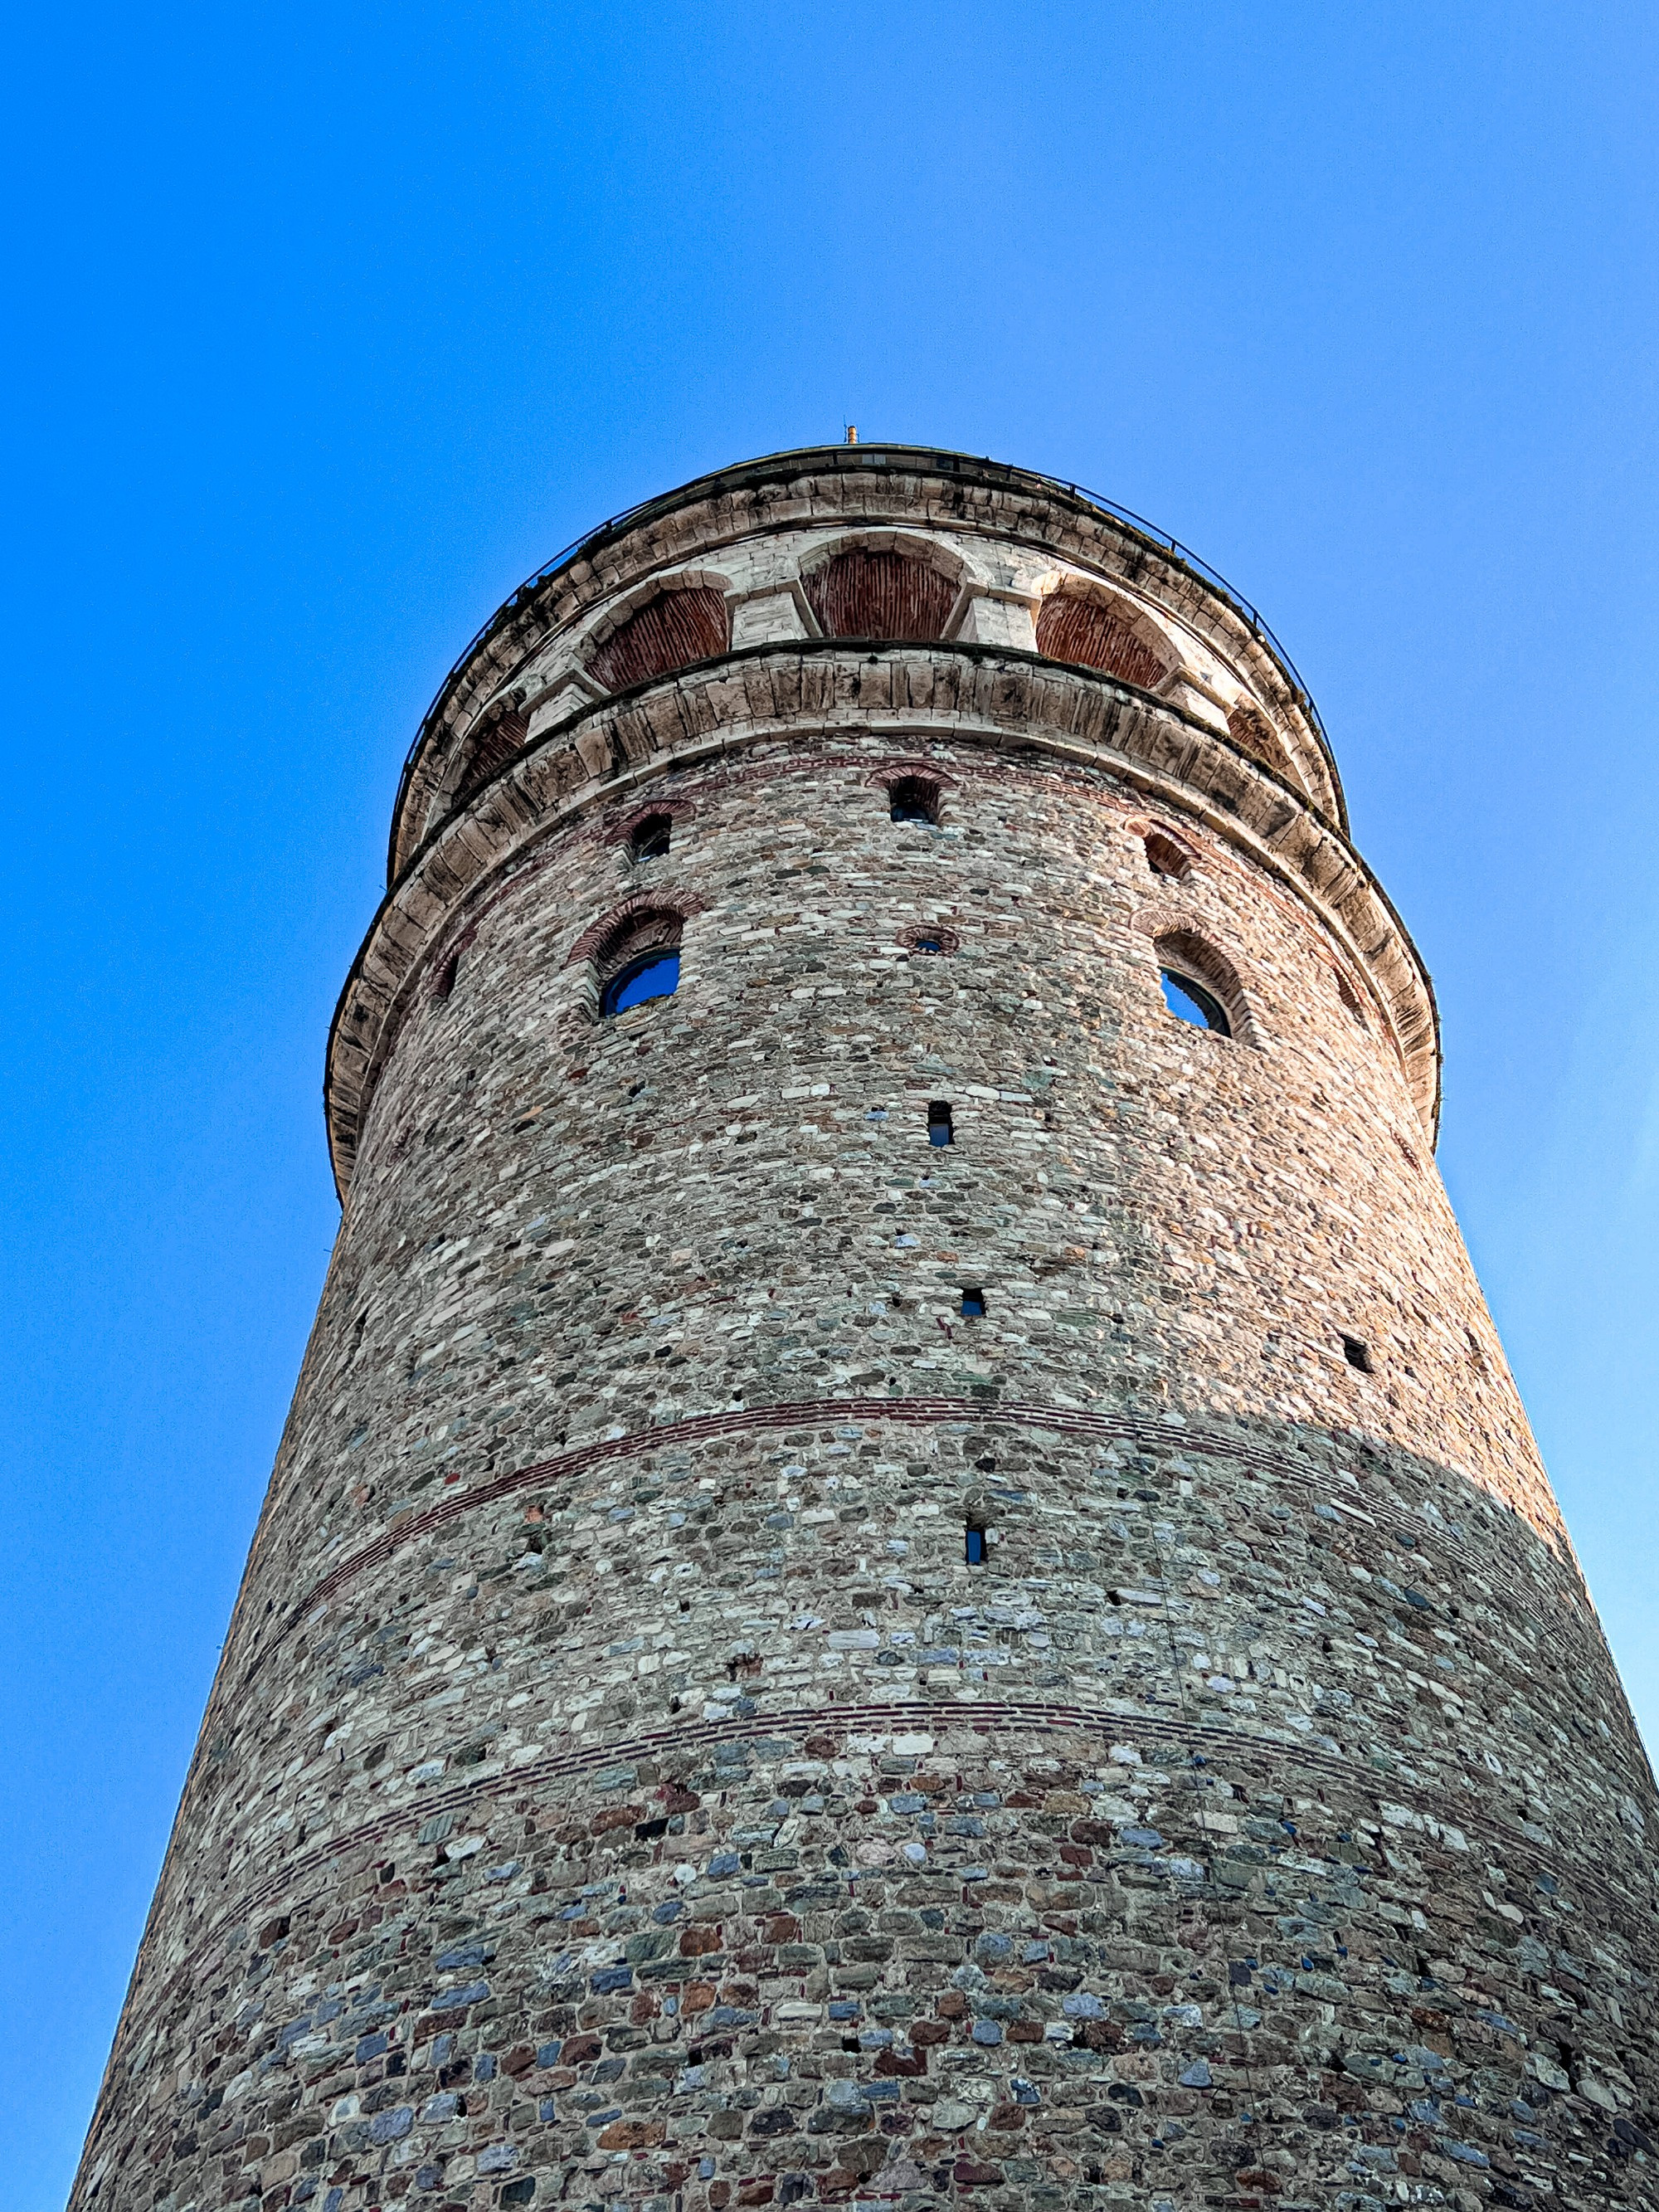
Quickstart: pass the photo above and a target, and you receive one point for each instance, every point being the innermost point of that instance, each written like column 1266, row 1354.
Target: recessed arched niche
column 1097, row 629
column 894, row 593
column 670, row 630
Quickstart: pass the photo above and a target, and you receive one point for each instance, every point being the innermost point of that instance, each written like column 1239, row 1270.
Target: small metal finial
column 852, row 434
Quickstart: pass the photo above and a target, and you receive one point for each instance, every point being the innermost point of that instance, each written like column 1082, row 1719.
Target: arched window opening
column 940, row 1128
column 885, row 596
column 642, row 961
column 668, row 632
column 490, row 748
column 1189, row 1001
column 931, row 939
column 653, row 975
column 1165, row 858
column 913, row 798
column 1093, row 633
column 649, row 840
column 1200, row 986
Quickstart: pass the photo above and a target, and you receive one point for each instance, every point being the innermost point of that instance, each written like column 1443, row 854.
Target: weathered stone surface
column 619, row 1789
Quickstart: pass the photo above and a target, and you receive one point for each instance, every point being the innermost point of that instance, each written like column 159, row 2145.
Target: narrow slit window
column 651, row 838
column 975, row 1545
column 1189, row 1001
column 1358, row 1353
column 973, row 1305
column 940, row 1128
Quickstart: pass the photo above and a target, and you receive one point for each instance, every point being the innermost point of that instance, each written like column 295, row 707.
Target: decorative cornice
column 975, row 698
column 868, row 487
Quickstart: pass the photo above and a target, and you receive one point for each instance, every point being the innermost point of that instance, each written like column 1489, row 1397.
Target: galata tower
column 905, row 1570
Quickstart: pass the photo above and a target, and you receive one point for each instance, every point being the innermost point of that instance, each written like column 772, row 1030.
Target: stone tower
column 905, row 1568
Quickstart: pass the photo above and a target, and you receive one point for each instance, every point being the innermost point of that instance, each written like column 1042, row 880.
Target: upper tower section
column 899, row 544
column 924, row 587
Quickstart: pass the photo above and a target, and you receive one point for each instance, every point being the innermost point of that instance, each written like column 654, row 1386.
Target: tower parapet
column 905, row 1565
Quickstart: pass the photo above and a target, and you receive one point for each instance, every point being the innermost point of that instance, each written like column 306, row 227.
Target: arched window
column 649, row 840
column 640, row 961
column 883, row 595
column 668, row 632
column 931, row 939
column 1200, row 985
column 1188, row 1001
column 1102, row 634
column 651, row 975
column 913, row 798
column 1165, row 858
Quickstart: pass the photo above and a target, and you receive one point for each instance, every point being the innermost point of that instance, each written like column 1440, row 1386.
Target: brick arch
column 1252, row 733
column 497, row 735
column 1191, row 951
column 889, row 588
column 1168, row 854
column 1167, row 921
column 1091, row 627
column 1348, row 991
column 677, row 623
column 909, row 771
column 631, row 923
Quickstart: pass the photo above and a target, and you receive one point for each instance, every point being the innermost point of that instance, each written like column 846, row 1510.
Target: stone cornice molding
column 968, row 696
column 848, row 489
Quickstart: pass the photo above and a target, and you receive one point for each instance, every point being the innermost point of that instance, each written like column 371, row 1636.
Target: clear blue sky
column 331, row 324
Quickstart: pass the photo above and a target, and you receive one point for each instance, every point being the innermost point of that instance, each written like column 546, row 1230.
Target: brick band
column 905, row 1413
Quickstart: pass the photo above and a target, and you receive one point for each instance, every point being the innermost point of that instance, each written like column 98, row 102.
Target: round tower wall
column 620, row 1786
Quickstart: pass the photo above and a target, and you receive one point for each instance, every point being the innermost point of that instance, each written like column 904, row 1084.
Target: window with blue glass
column 975, row 1545
column 940, row 1128
column 1200, row 986
column 1189, row 1001
column 649, row 975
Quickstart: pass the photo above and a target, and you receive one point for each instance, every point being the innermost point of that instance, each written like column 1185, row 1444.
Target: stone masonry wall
column 620, row 1791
